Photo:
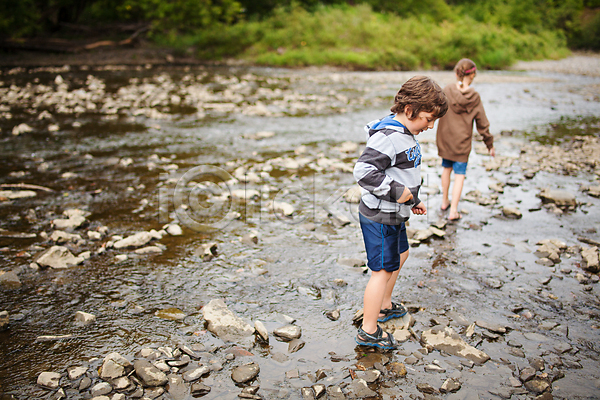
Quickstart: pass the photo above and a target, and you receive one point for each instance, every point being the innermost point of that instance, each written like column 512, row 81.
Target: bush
column 359, row 38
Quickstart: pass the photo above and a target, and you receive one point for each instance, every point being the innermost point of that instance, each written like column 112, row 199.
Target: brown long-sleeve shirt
column 455, row 129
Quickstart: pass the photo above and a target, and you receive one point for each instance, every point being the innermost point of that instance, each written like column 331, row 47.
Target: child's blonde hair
column 464, row 67
column 420, row 93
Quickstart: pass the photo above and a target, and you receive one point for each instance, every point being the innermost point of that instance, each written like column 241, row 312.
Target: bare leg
column 459, row 180
column 387, row 297
column 446, row 187
column 373, row 298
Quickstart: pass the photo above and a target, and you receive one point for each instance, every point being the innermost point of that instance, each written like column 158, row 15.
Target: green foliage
column 18, row 18
column 587, row 35
column 359, row 38
column 165, row 15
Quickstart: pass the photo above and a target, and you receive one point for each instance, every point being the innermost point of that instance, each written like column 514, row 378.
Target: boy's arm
column 369, row 170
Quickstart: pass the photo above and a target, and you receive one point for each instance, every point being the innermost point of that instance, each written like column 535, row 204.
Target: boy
column 389, row 173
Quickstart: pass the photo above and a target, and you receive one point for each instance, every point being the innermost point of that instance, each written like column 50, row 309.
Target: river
column 123, row 142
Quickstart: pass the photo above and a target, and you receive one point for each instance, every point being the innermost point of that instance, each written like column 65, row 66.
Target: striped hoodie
column 390, row 162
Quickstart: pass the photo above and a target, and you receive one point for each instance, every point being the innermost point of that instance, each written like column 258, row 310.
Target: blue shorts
column 384, row 244
column 459, row 168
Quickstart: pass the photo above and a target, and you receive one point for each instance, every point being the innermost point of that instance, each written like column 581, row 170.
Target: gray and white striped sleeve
column 369, row 170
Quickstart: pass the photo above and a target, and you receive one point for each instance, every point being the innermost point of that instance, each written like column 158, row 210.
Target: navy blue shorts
column 458, row 167
column 384, row 244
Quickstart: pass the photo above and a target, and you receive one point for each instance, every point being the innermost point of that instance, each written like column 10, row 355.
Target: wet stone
column 199, row 389
column 245, row 373
column 527, row 374
column 369, row 376
column 295, row 345
column 450, row 386
column 358, row 389
column 537, row 385
column 426, row 388
column 517, row 352
column 288, row 332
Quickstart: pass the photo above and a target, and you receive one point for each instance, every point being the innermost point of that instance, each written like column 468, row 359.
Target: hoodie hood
column 385, row 122
column 462, row 102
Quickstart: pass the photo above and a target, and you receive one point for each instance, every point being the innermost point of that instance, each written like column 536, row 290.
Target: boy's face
column 424, row 121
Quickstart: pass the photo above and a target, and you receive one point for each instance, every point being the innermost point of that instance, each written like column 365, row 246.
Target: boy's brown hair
column 421, row 94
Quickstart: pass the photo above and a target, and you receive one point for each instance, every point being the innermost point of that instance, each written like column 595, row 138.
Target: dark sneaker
column 397, row 311
column 376, row 339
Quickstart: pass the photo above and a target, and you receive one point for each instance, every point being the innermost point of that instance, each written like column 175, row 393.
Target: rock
column 333, row 315
column 245, row 373
column 537, row 385
column 491, row 326
column 223, row 323
column 426, row 388
column 149, row 374
column 250, row 239
column 196, row 373
column 84, row 318
column 445, row 339
column 75, row 373
column 358, row 389
column 122, row 383
column 397, row 369
column 199, row 389
column 369, row 376
column 136, row 240
column 73, row 222
column 206, row 251
column 260, row 328
column 319, row 389
column 288, row 332
column 85, row 383
column 149, row 250
column 114, row 366
column 526, row 374
column 21, row 128
column 283, row 208
column 174, row 230
column 592, row 190
column 62, row 237
column 561, row 198
column 295, row 345
column 49, row 380
column 450, row 385
column 335, row 393
column 16, row 194
column 100, row 389
column 10, row 279
column 351, row 262
column 176, row 387
column 591, row 259
column 511, row 212
column 57, row 257
column 307, row 393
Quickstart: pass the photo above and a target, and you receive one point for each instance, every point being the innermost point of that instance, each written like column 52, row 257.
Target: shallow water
column 456, row 273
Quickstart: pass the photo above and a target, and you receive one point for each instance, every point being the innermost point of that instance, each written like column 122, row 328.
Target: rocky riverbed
column 182, row 232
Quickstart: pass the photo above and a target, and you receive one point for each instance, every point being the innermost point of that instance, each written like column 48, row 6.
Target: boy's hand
column 406, row 196
column 420, row 209
column 492, row 152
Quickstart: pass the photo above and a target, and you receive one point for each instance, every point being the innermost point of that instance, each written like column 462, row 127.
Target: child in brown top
column 455, row 132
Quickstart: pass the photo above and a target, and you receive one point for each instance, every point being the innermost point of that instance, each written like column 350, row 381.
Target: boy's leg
column 459, row 180
column 446, row 187
column 373, row 298
column 389, row 289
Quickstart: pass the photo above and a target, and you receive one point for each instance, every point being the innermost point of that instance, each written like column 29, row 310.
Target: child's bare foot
column 445, row 207
column 454, row 216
